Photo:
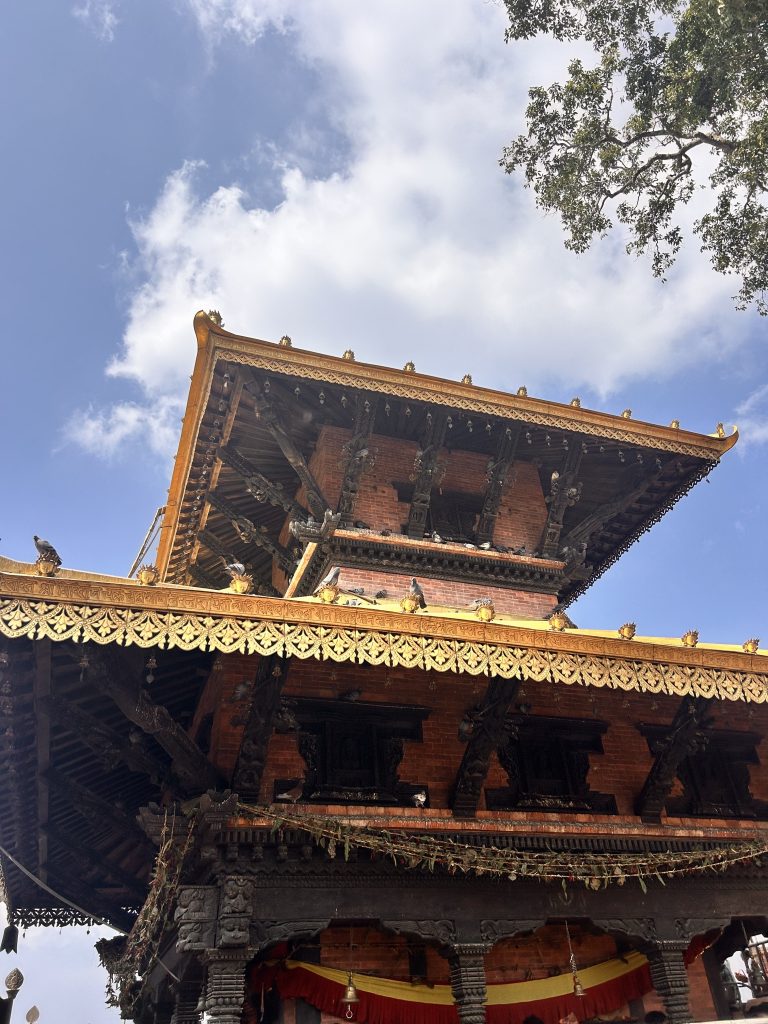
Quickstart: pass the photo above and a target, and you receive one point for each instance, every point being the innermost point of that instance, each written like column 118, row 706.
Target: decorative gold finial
column 690, row 638
column 467, row 378
column 576, row 402
column 410, row 604
column 627, row 414
column 751, row 646
column 485, row 610
column 148, row 575
column 558, row 621
column 329, row 593
column 627, row 631
column 241, row 583
column 522, row 391
column 285, row 342
column 410, row 367
column 675, row 424
column 46, row 565
column 349, row 354
column 215, row 315
column 720, row 430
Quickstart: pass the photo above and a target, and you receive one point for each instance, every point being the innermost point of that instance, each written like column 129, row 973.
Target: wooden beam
column 564, row 493
column 270, row 419
column 498, row 471
column 597, row 520
column 110, row 747
column 686, row 735
column 87, row 858
column 257, row 484
column 249, row 532
column 188, row 762
column 355, row 449
column 98, row 812
column 488, row 733
column 40, row 693
column 265, row 703
column 200, row 576
column 424, row 469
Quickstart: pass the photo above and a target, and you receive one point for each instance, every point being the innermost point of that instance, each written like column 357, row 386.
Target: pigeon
column 359, row 524
column 294, row 793
column 331, row 580
column 386, row 533
column 353, row 603
column 380, row 594
column 485, row 546
column 234, row 568
column 471, row 547
column 357, row 591
column 519, row 551
column 415, row 591
column 419, row 798
column 436, row 537
column 479, row 602
column 46, row 550
column 351, row 695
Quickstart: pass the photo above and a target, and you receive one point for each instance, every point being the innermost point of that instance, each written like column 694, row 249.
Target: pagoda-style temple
column 342, row 754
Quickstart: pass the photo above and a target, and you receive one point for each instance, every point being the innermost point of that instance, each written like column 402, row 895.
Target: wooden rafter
column 498, row 470
column 425, row 466
column 487, row 735
column 89, row 859
column 257, row 484
column 597, row 521
column 686, row 735
column 109, row 746
column 365, row 416
column 249, row 532
column 270, row 419
column 188, row 762
column 199, row 575
column 265, row 702
column 98, row 812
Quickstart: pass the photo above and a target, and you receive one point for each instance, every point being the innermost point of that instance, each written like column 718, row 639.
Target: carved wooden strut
column 426, row 463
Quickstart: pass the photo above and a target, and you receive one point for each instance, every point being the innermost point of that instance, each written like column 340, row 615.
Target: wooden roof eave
column 215, row 343
column 443, row 640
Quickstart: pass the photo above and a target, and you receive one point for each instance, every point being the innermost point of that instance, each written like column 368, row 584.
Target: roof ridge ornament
column 215, row 316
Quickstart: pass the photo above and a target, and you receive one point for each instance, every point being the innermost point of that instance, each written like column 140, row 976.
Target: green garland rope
column 594, row 870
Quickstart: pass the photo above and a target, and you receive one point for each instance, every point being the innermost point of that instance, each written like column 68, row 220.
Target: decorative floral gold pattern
column 457, row 651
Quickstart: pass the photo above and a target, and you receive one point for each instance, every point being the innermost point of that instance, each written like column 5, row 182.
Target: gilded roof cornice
column 189, row 618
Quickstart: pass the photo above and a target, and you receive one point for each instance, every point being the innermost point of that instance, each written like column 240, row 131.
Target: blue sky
column 326, row 170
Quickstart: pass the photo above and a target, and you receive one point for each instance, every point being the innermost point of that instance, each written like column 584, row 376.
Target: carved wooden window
column 715, row 779
column 547, row 763
column 352, row 750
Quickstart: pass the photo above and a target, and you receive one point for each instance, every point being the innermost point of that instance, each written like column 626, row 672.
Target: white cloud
column 417, row 245
column 752, row 418
column 99, row 16
column 107, row 432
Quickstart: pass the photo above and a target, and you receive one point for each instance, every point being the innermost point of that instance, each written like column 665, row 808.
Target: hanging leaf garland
column 593, row 870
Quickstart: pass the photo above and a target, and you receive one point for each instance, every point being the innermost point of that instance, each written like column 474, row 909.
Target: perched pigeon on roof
column 415, row 591
column 294, row 793
column 234, row 568
column 331, row 580
column 46, row 550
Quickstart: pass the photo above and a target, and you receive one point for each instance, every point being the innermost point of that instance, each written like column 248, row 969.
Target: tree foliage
column 676, row 101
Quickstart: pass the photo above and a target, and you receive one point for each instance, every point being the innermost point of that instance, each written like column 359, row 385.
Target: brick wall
column 620, row 770
column 522, row 512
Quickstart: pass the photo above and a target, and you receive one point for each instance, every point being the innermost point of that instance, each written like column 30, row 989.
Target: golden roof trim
column 298, row 362
column 192, row 619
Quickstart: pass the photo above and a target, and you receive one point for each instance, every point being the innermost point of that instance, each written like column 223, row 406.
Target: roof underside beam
column 249, row 532
column 188, row 762
column 257, row 484
column 357, row 452
column 270, row 419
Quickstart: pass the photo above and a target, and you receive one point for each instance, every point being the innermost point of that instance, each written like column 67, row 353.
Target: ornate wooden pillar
column 467, row 963
column 225, row 985
column 670, row 978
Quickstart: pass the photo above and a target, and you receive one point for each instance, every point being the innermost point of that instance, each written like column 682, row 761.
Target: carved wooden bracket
column 431, row 442
column 498, row 472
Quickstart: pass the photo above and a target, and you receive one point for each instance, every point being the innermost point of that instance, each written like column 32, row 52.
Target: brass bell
column 350, row 997
column 578, row 988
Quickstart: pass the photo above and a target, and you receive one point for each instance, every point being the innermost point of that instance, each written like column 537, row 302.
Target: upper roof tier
column 274, row 433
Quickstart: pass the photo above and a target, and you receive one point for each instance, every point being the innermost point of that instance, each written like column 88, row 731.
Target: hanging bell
column 578, row 988
column 10, row 941
column 350, row 997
